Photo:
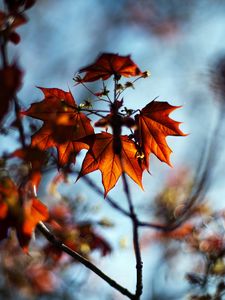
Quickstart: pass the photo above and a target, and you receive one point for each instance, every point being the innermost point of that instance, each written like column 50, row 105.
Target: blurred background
column 181, row 44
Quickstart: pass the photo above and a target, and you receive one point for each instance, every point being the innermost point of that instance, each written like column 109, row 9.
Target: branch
column 19, row 122
column 116, row 206
column 15, row 99
column 111, row 202
column 3, row 52
column 59, row 245
column 139, row 264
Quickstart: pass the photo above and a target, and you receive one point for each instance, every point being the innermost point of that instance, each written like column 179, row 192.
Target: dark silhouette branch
column 3, row 52
column 109, row 200
column 137, row 251
column 15, row 99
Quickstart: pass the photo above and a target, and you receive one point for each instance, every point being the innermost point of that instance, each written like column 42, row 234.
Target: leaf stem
column 99, row 98
column 105, row 88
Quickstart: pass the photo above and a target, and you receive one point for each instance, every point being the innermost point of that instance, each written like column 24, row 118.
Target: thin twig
column 123, row 211
column 99, row 98
column 3, row 52
column 111, row 201
column 19, row 122
column 105, row 88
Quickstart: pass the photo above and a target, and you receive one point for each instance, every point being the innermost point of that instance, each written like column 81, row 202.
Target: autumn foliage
column 115, row 140
column 123, row 145
column 67, row 128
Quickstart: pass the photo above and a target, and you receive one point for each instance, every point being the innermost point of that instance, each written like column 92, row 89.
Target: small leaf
column 108, row 64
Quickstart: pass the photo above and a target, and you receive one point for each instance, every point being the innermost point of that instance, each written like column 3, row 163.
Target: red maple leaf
column 63, row 124
column 153, row 126
column 108, row 64
column 21, row 215
column 101, row 156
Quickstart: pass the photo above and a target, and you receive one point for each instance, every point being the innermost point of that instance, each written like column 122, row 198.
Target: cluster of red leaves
column 19, row 214
column 69, row 130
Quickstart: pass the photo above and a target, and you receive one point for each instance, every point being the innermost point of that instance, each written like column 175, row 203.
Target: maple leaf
column 101, row 155
column 108, row 64
column 19, row 214
column 153, row 126
column 63, row 124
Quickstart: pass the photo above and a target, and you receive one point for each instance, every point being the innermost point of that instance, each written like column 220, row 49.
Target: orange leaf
column 108, row 64
column 101, row 156
column 34, row 212
column 63, row 124
column 56, row 102
column 19, row 214
column 153, row 126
